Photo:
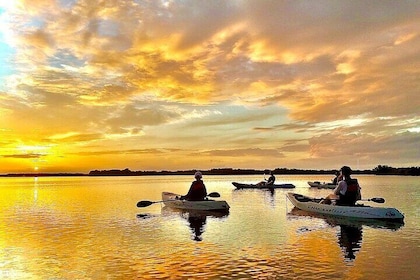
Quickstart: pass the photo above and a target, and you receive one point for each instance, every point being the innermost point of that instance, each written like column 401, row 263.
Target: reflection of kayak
column 196, row 219
column 348, row 221
column 172, row 200
column 255, row 186
column 167, row 211
column 359, row 211
column 320, row 185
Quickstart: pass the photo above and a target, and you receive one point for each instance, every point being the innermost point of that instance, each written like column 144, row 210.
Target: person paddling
column 271, row 179
column 197, row 190
column 268, row 182
column 347, row 191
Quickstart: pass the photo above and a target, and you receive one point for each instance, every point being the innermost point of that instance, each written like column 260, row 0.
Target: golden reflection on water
column 90, row 228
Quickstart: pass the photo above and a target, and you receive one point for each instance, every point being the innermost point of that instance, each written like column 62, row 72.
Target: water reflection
column 35, row 189
column 197, row 223
column 196, row 219
column 351, row 230
column 269, row 194
column 350, row 240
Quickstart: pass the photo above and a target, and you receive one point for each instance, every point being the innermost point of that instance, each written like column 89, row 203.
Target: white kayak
column 256, row 186
column 320, row 185
column 346, row 221
column 172, row 200
column 359, row 211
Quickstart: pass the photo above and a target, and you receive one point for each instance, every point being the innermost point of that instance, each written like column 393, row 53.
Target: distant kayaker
column 268, row 182
column 271, row 179
column 337, row 178
column 347, row 191
column 197, row 190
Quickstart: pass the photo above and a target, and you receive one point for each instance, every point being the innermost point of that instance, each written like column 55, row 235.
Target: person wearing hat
column 347, row 191
column 197, row 190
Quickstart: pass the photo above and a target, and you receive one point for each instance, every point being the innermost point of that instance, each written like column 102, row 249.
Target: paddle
column 374, row 199
column 145, row 203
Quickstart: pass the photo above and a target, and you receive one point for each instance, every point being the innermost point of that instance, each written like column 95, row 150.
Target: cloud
column 23, row 156
column 244, row 153
column 224, row 76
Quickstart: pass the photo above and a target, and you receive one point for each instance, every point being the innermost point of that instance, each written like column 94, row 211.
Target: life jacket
column 197, row 191
column 350, row 197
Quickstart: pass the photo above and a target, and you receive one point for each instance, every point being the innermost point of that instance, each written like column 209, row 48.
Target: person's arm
column 205, row 190
column 338, row 188
column 189, row 192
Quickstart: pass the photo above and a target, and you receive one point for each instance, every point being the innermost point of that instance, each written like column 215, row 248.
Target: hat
column 198, row 175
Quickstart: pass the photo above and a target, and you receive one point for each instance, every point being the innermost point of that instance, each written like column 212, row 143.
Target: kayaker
column 337, row 178
column 271, row 179
column 347, row 191
column 197, row 190
column 268, row 182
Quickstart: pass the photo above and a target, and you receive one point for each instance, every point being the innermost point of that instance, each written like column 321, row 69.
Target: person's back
column 197, row 190
column 352, row 193
column 347, row 191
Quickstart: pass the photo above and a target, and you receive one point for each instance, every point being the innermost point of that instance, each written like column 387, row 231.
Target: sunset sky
column 176, row 85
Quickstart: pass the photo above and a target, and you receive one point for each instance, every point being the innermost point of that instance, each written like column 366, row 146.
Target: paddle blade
column 378, row 200
column 144, row 203
column 214, row 194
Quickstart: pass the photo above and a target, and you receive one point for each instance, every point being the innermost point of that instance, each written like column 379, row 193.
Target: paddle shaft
column 373, row 199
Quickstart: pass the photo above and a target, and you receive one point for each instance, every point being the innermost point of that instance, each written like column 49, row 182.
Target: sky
column 179, row 85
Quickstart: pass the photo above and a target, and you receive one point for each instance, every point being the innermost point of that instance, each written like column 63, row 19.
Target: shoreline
column 380, row 170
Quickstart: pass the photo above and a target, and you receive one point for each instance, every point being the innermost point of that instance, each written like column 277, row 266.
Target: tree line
column 379, row 170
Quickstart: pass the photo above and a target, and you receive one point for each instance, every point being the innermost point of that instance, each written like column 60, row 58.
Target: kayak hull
column 359, row 211
column 255, row 186
column 172, row 200
column 320, row 185
column 347, row 221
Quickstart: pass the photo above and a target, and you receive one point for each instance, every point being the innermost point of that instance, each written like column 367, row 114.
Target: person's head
column 345, row 171
column 198, row 175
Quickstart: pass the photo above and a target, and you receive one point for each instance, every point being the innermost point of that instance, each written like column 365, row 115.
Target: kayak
column 255, row 186
column 346, row 221
column 172, row 200
column 358, row 211
column 320, row 185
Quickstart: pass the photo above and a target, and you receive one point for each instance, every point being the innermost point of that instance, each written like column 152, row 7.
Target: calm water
column 90, row 228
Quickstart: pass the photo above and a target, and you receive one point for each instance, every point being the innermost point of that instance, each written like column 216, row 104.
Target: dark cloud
column 24, row 156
